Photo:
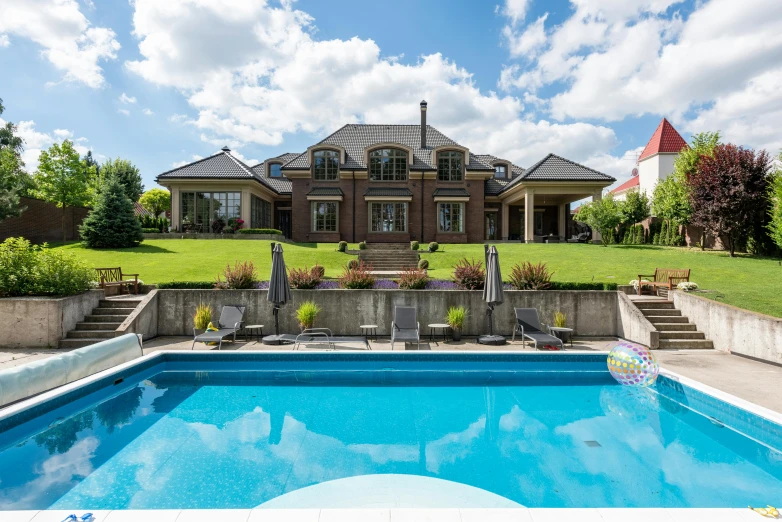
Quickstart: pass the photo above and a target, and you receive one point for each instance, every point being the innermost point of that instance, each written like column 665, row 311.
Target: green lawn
column 748, row 282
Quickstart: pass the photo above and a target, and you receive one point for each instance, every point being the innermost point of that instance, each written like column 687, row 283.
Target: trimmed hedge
column 259, row 231
column 186, row 285
column 565, row 285
column 150, row 231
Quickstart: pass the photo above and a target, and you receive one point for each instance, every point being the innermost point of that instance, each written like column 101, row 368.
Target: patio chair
column 230, row 322
column 324, row 336
column 528, row 325
column 405, row 328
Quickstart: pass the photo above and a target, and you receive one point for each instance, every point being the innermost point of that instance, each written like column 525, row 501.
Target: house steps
column 389, row 257
column 675, row 330
column 100, row 324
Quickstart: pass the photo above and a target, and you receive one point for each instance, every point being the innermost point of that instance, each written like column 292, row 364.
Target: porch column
column 596, row 237
column 246, row 215
column 561, row 221
column 505, row 224
column 529, row 216
column 176, row 214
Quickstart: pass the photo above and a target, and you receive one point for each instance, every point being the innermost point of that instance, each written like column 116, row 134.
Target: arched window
column 449, row 166
column 388, row 165
column 274, row 170
column 500, row 171
column 325, row 166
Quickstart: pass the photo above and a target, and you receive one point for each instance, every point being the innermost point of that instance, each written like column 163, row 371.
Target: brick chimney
column 423, row 124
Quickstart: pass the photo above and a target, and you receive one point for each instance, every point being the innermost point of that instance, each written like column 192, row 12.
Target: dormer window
column 325, row 165
column 500, row 171
column 388, row 165
column 450, row 166
column 275, row 170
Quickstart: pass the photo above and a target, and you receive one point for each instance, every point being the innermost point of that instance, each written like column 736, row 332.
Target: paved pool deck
column 751, row 380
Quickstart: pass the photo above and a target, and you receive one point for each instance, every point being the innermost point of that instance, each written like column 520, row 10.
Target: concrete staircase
column 100, row 324
column 389, row 257
column 675, row 330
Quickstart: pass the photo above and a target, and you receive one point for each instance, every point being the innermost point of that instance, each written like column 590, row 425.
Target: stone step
column 654, row 319
column 104, row 318
column 686, row 344
column 76, row 343
column 659, row 312
column 679, row 334
column 119, row 303
column 676, row 327
column 388, row 246
column 97, row 326
column 112, row 311
column 90, row 334
column 649, row 305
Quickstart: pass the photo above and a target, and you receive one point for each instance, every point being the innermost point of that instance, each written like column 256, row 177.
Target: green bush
column 186, row 285
column 560, row 285
column 357, row 278
column 27, row 269
column 353, row 263
column 433, row 246
column 306, row 314
column 423, row 264
column 260, row 231
column 413, row 245
column 112, row 222
column 159, row 224
column 362, row 245
column 150, row 231
column 343, row 245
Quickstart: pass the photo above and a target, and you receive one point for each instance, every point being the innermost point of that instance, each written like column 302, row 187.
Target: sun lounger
column 528, row 325
column 405, row 328
column 231, row 319
column 323, row 336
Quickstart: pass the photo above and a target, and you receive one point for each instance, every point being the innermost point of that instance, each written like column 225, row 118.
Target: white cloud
column 272, row 77
column 515, row 10
column 528, row 41
column 35, row 142
column 68, row 41
column 63, row 134
column 124, row 112
column 4, row 41
column 148, row 112
column 124, row 98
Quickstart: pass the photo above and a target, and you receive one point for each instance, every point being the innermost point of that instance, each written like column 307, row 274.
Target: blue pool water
column 184, row 439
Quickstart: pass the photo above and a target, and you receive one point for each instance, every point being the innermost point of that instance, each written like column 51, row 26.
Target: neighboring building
column 631, row 185
column 656, row 160
column 140, row 211
column 384, row 183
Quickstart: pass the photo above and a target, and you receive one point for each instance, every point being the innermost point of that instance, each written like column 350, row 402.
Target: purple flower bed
column 327, row 285
column 441, row 284
column 385, row 284
column 262, row 285
column 380, row 284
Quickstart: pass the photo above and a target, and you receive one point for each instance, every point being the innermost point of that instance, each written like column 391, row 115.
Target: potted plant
column 306, row 314
column 560, row 321
column 455, row 320
column 202, row 318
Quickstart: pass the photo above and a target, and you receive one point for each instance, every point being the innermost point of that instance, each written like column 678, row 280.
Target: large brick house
column 384, row 183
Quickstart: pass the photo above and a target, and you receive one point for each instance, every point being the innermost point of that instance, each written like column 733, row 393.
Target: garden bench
column 664, row 277
column 110, row 277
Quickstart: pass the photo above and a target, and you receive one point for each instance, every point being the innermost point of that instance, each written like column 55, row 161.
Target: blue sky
column 162, row 83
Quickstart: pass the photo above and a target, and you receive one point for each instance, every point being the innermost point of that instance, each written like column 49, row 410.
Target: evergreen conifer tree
column 112, row 222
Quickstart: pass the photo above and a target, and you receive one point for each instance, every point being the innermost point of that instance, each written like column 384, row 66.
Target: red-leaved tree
column 727, row 191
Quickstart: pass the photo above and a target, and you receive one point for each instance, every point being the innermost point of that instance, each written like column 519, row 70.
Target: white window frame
column 331, row 167
column 462, row 207
column 451, row 156
column 393, row 220
column 314, row 205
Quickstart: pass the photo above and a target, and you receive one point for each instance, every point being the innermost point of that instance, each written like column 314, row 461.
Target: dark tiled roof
column 325, row 191
column 282, row 185
column 218, row 166
column 557, row 168
column 492, row 187
column 488, row 159
column 140, row 211
column 355, row 138
column 388, row 192
column 451, row 192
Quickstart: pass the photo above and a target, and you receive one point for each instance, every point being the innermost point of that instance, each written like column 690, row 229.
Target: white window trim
column 313, row 221
column 369, row 215
column 462, row 219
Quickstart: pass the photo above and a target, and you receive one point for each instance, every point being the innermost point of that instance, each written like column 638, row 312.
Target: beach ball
column 632, row 364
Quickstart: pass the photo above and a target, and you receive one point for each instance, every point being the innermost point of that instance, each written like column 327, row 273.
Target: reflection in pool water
column 166, row 444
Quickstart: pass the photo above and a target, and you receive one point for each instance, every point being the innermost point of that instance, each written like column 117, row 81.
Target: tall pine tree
column 112, row 222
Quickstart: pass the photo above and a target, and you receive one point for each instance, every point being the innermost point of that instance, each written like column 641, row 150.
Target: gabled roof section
column 282, row 184
column 356, row 138
column 490, row 160
column 664, row 140
column 627, row 185
column 140, row 211
column 557, row 168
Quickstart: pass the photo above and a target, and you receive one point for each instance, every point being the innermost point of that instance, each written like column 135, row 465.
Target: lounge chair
column 405, row 328
column 528, row 325
column 324, row 336
column 231, row 319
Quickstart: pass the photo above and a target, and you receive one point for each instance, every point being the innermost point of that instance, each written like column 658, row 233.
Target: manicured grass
column 747, row 282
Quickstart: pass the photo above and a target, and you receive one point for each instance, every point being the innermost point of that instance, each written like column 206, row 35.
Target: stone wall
column 591, row 313
column 633, row 325
column 732, row 329
column 41, row 222
column 143, row 320
column 33, row 322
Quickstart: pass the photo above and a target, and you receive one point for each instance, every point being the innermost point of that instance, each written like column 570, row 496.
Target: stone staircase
column 100, row 324
column 389, row 257
column 675, row 330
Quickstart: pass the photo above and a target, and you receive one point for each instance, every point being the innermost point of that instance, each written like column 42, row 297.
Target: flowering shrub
column 413, row 279
column 687, row 286
column 441, row 284
column 634, row 282
column 357, row 278
column 469, row 275
column 242, row 276
column 303, row 278
column 327, row 285
column 262, row 285
column 530, row 277
column 385, row 284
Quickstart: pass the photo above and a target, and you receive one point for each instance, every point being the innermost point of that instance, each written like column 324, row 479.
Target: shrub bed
column 27, row 269
column 259, row 231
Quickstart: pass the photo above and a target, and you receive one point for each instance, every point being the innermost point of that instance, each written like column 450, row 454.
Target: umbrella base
column 275, row 340
column 491, row 340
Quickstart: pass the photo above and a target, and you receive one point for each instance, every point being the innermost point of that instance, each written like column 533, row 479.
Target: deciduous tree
column 603, row 215
column 156, row 201
column 635, row 208
column 725, row 191
column 775, row 207
column 12, row 177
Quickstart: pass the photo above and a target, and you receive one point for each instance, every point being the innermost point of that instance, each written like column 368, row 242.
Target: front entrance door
column 491, row 225
column 284, row 220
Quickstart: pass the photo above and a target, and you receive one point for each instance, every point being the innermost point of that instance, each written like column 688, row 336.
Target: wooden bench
column 665, row 277
column 114, row 277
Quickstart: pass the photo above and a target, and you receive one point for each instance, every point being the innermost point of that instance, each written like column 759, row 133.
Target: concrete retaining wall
column 633, row 325
column 143, row 320
column 180, row 235
column 32, row 322
column 733, row 329
column 590, row 313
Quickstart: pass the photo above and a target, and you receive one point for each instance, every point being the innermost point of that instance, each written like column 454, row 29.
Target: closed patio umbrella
column 279, row 289
column 492, row 294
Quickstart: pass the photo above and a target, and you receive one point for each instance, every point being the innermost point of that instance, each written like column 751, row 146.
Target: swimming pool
column 242, row 430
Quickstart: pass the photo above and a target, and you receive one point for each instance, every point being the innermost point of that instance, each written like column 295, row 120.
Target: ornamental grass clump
column 358, row 278
column 303, row 278
column 560, row 320
column 469, row 275
column 413, row 279
column 241, row 277
column 306, row 314
column 530, row 277
column 202, row 317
